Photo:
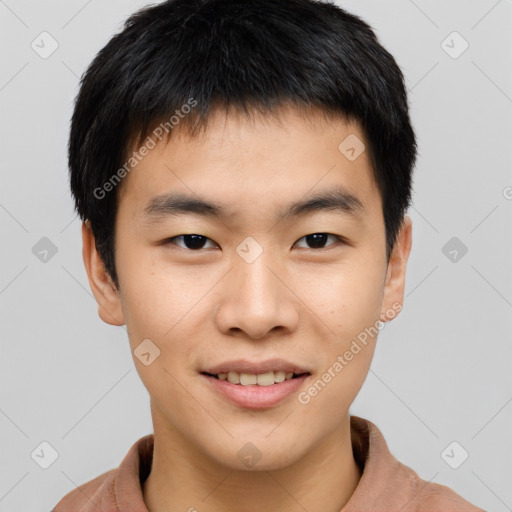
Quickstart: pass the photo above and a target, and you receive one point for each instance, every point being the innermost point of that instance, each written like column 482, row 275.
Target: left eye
column 317, row 240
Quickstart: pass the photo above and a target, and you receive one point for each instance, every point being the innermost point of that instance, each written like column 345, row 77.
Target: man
column 243, row 171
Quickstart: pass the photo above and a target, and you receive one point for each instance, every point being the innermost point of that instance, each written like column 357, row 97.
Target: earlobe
column 102, row 286
column 395, row 276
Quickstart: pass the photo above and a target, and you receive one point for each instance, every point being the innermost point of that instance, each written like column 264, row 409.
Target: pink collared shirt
column 386, row 485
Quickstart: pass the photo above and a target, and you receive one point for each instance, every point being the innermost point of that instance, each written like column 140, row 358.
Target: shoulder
column 116, row 489
column 388, row 485
column 432, row 497
column 88, row 496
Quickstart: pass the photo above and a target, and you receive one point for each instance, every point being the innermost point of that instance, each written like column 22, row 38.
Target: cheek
column 168, row 307
column 159, row 308
column 155, row 296
column 348, row 300
column 347, row 297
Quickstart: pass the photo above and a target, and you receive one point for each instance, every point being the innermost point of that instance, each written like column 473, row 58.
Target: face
column 271, row 273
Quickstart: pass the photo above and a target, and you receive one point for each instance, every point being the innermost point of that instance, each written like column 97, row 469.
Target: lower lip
column 255, row 396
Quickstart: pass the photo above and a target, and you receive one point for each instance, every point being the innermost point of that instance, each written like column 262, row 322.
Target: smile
column 261, row 379
column 255, row 391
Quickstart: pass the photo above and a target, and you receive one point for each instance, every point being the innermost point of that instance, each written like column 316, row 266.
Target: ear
column 102, row 286
column 395, row 277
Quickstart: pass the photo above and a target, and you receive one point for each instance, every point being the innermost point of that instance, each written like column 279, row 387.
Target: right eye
column 193, row 242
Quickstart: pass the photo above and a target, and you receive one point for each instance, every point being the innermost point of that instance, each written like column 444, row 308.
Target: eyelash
column 337, row 237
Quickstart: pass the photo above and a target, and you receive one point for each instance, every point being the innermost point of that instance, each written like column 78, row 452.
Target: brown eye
column 192, row 242
column 318, row 240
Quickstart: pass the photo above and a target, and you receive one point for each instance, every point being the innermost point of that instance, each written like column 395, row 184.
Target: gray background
column 441, row 372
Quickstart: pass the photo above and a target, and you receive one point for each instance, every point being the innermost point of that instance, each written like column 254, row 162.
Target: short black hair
column 249, row 55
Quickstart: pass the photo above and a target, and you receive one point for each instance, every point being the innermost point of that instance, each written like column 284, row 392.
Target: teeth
column 246, row 379
column 280, row 376
column 234, row 377
column 265, row 379
column 262, row 379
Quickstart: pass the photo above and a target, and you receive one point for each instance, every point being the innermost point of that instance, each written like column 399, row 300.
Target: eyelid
column 171, row 239
column 339, row 239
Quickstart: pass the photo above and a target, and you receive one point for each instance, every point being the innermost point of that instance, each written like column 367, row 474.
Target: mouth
column 256, row 379
column 256, row 384
column 255, row 391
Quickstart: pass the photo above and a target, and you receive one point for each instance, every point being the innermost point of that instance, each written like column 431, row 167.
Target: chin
column 260, row 455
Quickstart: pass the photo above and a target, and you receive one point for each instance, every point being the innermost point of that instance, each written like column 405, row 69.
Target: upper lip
column 245, row 366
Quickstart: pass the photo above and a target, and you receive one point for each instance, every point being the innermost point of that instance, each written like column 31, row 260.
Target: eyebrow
column 337, row 199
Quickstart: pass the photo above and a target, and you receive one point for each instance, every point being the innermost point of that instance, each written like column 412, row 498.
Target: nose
column 257, row 299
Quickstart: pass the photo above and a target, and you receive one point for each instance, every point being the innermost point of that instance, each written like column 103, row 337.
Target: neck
column 183, row 478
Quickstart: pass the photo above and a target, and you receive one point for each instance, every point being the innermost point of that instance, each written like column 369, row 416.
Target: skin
column 201, row 307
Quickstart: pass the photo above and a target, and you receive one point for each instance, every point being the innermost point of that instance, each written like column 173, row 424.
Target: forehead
column 253, row 164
